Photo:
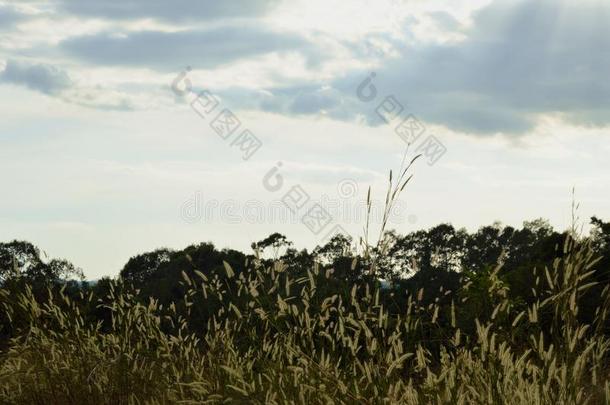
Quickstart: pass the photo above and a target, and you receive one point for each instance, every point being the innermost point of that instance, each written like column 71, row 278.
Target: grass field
column 273, row 338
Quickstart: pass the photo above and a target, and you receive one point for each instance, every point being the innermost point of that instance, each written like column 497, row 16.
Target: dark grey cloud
column 44, row 78
column 518, row 60
column 172, row 50
column 174, row 10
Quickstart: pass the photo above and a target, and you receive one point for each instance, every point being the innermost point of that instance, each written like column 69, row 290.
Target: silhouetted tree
column 275, row 241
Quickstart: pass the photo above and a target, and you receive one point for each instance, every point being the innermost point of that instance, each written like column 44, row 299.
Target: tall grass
column 274, row 338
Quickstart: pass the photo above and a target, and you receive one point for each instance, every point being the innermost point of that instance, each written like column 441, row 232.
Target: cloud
column 169, row 51
column 44, row 78
column 8, row 17
column 519, row 60
column 514, row 62
column 445, row 20
column 303, row 100
column 176, row 10
column 55, row 82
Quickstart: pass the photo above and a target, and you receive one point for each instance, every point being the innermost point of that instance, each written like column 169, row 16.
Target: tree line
column 441, row 264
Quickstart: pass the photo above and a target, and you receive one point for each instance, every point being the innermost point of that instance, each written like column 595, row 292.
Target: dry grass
column 276, row 339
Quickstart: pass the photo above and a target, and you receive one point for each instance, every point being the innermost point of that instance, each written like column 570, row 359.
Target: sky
column 127, row 126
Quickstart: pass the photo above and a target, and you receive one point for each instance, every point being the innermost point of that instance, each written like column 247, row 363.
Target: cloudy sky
column 130, row 125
